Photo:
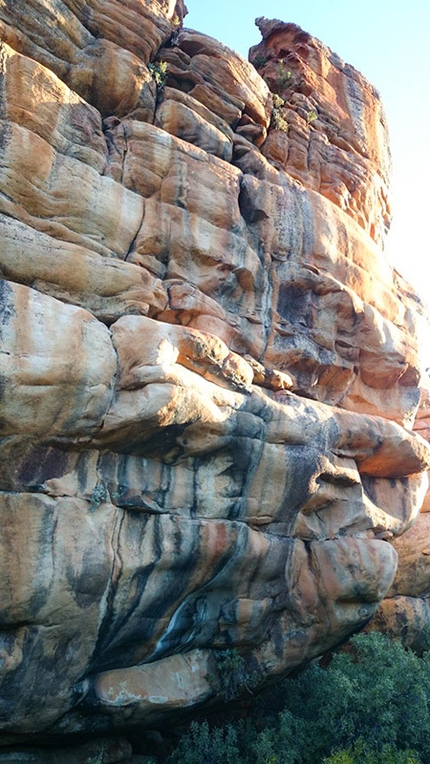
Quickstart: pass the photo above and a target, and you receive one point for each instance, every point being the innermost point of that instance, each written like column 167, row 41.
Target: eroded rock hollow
column 209, row 370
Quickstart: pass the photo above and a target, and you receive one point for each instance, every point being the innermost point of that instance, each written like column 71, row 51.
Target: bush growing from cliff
column 231, row 676
column 369, row 706
column 158, row 72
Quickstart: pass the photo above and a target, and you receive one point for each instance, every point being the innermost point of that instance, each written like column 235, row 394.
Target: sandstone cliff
column 209, row 370
column 404, row 613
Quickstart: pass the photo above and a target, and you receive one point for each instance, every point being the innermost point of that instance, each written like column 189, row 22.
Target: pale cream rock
column 181, row 121
column 38, row 100
column 108, row 287
column 64, row 198
column 57, row 366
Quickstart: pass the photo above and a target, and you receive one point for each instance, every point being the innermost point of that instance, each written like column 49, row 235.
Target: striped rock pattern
column 404, row 613
column 207, row 366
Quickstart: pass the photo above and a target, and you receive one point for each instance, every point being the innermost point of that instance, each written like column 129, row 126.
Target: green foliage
column 159, row 73
column 360, row 753
column 284, row 76
column 232, row 676
column 379, row 693
column 278, row 102
column 370, row 706
column 205, row 746
column 176, row 21
column 311, row 116
column 260, row 60
column 278, row 121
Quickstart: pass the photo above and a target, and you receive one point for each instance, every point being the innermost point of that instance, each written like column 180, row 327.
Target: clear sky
column 387, row 41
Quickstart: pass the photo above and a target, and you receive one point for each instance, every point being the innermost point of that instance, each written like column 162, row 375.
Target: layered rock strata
column 207, row 364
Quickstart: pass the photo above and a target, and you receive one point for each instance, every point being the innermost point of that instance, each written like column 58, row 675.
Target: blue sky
column 387, row 41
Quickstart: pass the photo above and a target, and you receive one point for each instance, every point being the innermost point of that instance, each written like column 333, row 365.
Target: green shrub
column 284, row 75
column 158, row 73
column 311, row 116
column 260, row 60
column 231, row 676
column 278, row 121
column 205, row 746
column 369, row 706
column 379, row 692
column 362, row 754
column 278, row 102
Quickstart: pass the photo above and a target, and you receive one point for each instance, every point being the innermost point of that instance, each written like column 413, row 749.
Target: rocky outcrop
column 344, row 157
column 207, row 365
column 404, row 613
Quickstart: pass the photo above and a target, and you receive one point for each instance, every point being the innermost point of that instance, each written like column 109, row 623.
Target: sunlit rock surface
column 207, row 365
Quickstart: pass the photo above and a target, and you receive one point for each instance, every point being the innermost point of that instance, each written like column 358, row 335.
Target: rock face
column 405, row 611
column 207, row 364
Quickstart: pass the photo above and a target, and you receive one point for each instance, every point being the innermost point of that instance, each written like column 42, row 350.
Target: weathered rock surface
column 345, row 156
column 207, row 366
column 405, row 611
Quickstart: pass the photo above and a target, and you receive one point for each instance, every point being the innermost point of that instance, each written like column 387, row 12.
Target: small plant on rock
column 231, row 675
column 278, row 102
column 279, row 122
column 260, row 60
column 284, row 77
column 159, row 73
column 311, row 116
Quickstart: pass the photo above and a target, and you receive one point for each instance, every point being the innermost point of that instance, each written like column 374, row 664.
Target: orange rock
column 337, row 135
column 207, row 367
